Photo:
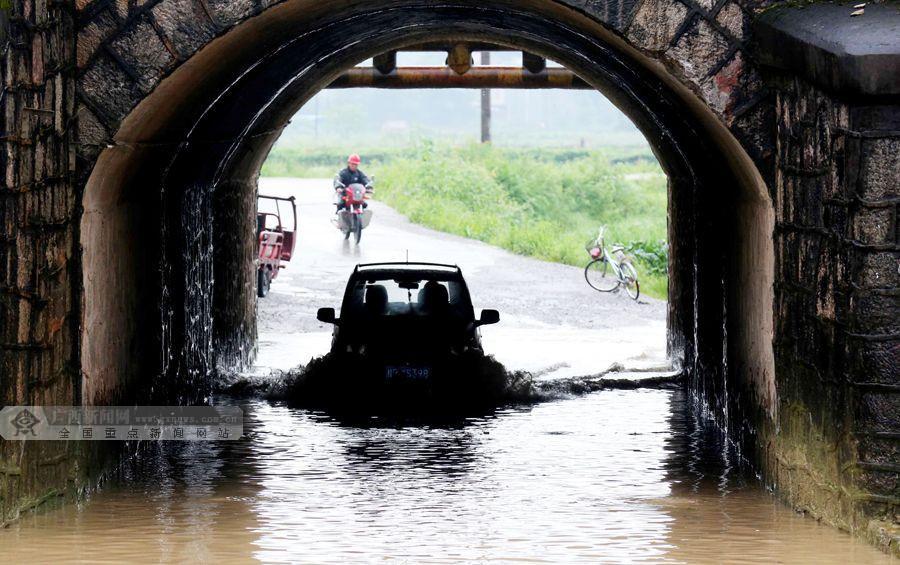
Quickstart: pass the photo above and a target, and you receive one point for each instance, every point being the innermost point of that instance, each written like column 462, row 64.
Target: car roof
column 407, row 271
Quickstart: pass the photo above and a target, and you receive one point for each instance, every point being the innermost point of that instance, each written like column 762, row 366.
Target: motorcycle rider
column 351, row 174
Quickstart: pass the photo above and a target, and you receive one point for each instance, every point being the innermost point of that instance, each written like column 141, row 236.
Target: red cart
column 276, row 242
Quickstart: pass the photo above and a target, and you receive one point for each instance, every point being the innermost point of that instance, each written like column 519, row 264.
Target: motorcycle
column 353, row 218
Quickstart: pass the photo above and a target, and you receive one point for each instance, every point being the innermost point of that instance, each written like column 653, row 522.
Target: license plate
column 407, row 373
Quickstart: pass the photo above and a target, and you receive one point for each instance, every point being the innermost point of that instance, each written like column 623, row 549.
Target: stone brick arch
column 125, row 49
column 200, row 126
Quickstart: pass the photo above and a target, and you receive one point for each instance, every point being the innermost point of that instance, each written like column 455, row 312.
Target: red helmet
column 354, row 159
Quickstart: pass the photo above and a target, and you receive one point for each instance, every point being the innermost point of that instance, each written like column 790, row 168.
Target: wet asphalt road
column 551, row 320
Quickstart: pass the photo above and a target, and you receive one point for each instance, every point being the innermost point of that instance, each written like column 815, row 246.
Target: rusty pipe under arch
column 445, row 77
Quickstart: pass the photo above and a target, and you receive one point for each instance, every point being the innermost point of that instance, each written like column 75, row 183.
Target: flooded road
column 615, row 477
column 607, row 477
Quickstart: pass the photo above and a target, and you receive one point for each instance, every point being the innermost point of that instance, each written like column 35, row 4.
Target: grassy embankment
column 543, row 203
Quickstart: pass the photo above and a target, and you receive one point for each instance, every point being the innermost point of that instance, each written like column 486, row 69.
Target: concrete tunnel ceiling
column 212, row 121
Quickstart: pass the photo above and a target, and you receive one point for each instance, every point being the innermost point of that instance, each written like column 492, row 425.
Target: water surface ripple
column 613, row 476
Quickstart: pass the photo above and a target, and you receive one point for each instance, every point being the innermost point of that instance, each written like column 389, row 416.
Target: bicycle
column 609, row 271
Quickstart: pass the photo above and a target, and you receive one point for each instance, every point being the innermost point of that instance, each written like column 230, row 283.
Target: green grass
column 305, row 161
column 321, row 162
column 543, row 203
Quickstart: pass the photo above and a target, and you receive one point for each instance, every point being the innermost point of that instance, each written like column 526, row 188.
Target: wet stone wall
column 187, row 301
column 833, row 451
column 234, row 292
column 39, row 212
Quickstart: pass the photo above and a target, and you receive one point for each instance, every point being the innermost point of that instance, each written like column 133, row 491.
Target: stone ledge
column 848, row 55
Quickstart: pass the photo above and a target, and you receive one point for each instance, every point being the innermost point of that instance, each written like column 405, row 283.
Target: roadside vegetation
column 544, row 203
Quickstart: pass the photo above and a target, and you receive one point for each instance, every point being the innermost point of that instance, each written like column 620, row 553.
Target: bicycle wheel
column 632, row 287
column 599, row 276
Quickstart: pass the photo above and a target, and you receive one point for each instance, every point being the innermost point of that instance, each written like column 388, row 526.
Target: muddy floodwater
column 613, row 476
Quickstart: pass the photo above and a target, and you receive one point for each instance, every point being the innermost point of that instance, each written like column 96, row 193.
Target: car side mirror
column 326, row 315
column 489, row 317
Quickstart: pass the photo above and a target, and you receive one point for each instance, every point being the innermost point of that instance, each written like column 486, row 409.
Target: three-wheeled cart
column 276, row 242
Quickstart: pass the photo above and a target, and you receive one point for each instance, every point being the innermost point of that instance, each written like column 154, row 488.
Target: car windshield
column 407, row 297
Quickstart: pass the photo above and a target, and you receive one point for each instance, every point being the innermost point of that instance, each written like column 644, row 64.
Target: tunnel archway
column 187, row 157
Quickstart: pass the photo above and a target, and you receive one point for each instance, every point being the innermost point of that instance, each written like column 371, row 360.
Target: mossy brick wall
column 833, row 452
column 39, row 213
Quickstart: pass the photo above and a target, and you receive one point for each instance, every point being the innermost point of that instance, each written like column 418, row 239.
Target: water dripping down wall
column 234, row 293
column 702, row 280
column 187, row 283
column 197, row 256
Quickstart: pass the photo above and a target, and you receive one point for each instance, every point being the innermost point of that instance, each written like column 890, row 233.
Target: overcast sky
column 533, row 117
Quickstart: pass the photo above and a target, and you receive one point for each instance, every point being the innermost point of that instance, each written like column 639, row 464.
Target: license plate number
column 407, row 373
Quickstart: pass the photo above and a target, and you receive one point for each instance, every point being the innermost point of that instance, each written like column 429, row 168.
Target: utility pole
column 485, row 104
